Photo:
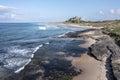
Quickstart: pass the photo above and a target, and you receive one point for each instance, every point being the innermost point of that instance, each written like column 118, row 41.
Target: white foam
column 19, row 51
column 37, row 48
column 61, row 35
column 15, row 62
column 17, row 71
column 48, row 27
column 47, row 43
column 32, row 55
column 42, row 28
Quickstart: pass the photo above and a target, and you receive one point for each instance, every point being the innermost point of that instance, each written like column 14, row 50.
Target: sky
column 58, row 10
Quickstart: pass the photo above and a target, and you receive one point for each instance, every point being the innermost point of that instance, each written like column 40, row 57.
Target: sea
column 20, row 41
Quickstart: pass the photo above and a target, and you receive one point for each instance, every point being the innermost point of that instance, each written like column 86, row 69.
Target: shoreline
column 81, row 64
column 75, row 25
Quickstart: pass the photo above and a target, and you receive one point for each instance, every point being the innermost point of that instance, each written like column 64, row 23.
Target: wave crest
column 42, row 28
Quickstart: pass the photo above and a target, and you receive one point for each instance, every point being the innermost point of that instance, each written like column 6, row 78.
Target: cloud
column 112, row 11
column 115, row 11
column 101, row 12
column 118, row 11
column 7, row 13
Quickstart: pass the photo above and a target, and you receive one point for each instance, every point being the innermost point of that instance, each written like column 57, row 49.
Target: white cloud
column 83, row 18
column 101, row 12
column 6, row 7
column 115, row 11
column 118, row 11
column 13, row 15
column 7, row 13
column 112, row 11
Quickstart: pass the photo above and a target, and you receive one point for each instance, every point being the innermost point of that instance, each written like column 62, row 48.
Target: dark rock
column 106, row 47
column 116, row 63
column 116, row 70
column 76, row 34
column 100, row 48
column 55, row 69
column 118, row 42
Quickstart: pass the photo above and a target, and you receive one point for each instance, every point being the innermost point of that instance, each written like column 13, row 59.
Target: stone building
column 75, row 19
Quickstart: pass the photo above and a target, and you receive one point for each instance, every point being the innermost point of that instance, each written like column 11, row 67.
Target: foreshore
column 92, row 64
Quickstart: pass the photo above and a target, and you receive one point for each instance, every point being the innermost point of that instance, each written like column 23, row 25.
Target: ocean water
column 19, row 42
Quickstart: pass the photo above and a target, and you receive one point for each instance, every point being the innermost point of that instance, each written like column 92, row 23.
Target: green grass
column 114, row 32
column 111, row 27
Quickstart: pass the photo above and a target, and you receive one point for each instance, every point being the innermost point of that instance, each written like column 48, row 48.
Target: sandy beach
column 75, row 25
column 92, row 69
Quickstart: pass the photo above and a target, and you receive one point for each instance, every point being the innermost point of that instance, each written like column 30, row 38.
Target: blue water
column 19, row 41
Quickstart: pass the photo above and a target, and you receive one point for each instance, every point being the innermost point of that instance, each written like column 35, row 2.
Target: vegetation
column 110, row 27
column 114, row 32
column 108, row 23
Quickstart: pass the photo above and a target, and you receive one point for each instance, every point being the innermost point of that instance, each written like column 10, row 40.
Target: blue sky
column 58, row 10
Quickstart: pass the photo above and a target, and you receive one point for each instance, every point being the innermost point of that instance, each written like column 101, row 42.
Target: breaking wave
column 17, row 58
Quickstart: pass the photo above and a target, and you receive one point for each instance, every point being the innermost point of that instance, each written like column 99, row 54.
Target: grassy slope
column 114, row 32
column 111, row 28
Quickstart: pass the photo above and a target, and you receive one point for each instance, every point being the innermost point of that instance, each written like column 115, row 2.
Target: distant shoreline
column 75, row 25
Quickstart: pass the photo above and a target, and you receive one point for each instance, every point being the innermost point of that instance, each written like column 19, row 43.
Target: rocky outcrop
column 101, row 48
column 106, row 47
column 116, row 63
column 77, row 34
